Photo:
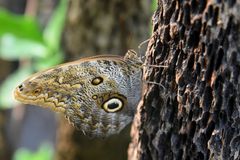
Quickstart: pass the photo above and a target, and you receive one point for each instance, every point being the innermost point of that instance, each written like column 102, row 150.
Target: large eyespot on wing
column 110, row 102
column 113, row 105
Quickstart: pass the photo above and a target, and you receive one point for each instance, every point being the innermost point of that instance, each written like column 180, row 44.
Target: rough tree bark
column 196, row 115
column 100, row 27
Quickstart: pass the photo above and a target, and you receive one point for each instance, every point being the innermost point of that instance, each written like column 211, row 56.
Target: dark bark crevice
column 197, row 115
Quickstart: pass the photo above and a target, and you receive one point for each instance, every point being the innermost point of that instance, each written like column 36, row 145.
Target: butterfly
column 97, row 94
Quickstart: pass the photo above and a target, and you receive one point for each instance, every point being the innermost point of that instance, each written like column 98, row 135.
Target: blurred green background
column 35, row 35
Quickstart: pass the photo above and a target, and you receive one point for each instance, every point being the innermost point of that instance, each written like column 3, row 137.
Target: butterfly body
column 97, row 94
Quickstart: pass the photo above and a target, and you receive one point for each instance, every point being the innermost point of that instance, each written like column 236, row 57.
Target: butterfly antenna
column 139, row 48
column 142, row 43
column 154, row 66
column 155, row 83
column 147, row 40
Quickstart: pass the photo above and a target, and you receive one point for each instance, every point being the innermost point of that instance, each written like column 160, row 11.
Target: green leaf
column 20, row 26
column 8, row 86
column 14, row 48
column 53, row 31
column 45, row 152
column 154, row 5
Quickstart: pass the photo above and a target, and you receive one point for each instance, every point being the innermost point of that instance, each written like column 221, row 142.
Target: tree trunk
column 191, row 108
column 100, row 27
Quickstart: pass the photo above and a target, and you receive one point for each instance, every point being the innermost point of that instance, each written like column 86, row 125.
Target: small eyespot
column 20, row 87
column 112, row 105
column 97, row 80
column 36, row 91
column 94, row 97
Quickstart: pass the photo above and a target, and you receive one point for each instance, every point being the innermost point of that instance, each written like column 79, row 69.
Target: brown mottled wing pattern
column 98, row 94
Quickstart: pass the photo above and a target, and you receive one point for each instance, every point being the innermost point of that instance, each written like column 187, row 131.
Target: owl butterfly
column 97, row 94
